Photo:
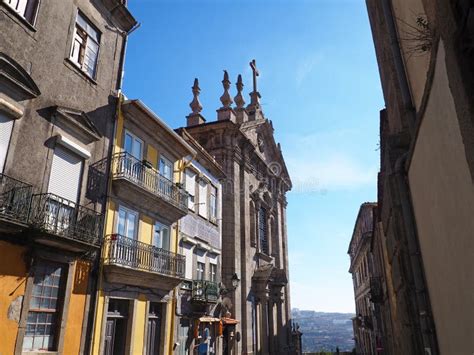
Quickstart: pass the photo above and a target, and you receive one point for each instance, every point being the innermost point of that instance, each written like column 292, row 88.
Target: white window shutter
column 188, row 253
column 6, row 126
column 65, row 174
column 203, row 210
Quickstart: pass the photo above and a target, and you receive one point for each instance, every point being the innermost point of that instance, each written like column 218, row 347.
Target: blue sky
column 320, row 86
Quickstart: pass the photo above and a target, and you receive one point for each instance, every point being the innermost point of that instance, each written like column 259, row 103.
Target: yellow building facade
column 140, row 266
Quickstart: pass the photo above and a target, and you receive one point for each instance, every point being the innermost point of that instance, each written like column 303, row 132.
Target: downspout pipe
column 421, row 297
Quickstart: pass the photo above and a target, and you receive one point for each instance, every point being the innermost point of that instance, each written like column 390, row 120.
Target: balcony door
column 133, row 145
column 6, row 126
column 125, row 249
column 161, row 240
column 132, row 164
column 166, row 171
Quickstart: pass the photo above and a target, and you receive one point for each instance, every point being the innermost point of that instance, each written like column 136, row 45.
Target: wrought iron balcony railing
column 15, row 199
column 124, row 251
column 136, row 171
column 205, row 291
column 376, row 291
column 58, row 216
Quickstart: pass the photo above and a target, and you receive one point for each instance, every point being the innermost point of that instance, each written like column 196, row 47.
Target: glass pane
column 137, row 149
column 27, row 343
column 131, row 221
column 121, row 222
column 128, row 145
column 157, row 242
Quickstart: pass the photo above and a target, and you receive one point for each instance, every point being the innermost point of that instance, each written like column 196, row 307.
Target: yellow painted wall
column 12, row 284
column 146, row 229
column 152, row 156
column 138, row 340
column 77, row 305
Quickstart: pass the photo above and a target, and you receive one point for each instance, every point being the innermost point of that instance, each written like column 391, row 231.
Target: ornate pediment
column 78, row 123
column 15, row 81
column 260, row 134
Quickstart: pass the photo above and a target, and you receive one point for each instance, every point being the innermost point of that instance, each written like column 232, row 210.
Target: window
column 6, row 126
column 127, row 222
column 85, row 46
column 161, row 238
column 190, row 186
column 133, row 145
column 166, row 168
column 200, row 270
column 213, row 204
column 44, row 312
column 25, row 8
column 65, row 174
column 203, row 206
column 262, row 230
column 213, row 272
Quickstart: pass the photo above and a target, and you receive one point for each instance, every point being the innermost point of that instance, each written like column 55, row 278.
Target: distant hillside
column 325, row 331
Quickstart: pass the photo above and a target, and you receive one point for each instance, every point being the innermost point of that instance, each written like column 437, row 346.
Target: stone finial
column 195, row 105
column 226, row 99
column 239, row 99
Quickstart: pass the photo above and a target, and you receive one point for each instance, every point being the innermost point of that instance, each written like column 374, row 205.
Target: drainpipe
column 174, row 309
column 421, row 297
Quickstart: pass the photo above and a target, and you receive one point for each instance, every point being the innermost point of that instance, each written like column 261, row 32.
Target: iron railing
column 128, row 167
column 376, row 291
column 128, row 252
column 58, row 216
column 205, row 291
column 15, row 198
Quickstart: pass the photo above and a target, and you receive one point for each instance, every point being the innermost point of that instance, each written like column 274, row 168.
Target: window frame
column 213, row 210
column 81, row 62
column 166, row 161
column 137, row 221
column 191, row 197
column 135, row 139
column 200, row 272
column 213, row 273
column 68, row 262
column 31, row 6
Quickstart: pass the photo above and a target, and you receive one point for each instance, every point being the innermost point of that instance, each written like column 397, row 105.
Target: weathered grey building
column 426, row 198
column 256, row 300
column 60, row 68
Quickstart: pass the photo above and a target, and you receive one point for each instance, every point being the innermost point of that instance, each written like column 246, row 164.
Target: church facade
column 255, row 291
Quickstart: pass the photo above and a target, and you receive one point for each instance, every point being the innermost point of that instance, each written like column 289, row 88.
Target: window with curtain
column 85, row 46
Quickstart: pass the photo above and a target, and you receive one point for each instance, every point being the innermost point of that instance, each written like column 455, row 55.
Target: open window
column 25, row 8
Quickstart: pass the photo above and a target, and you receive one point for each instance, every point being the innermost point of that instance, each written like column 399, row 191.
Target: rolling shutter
column 65, row 174
column 6, row 126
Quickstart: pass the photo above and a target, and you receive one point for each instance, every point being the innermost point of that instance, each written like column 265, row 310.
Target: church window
column 262, row 230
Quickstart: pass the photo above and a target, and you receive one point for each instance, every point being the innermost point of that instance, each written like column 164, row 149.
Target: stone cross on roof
column 256, row 73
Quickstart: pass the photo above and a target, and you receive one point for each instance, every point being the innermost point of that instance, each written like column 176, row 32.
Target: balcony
column 376, row 291
column 64, row 223
column 15, row 198
column 142, row 185
column 131, row 262
column 205, row 291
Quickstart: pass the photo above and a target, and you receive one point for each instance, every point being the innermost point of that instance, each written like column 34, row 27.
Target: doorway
column 153, row 342
column 116, row 327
